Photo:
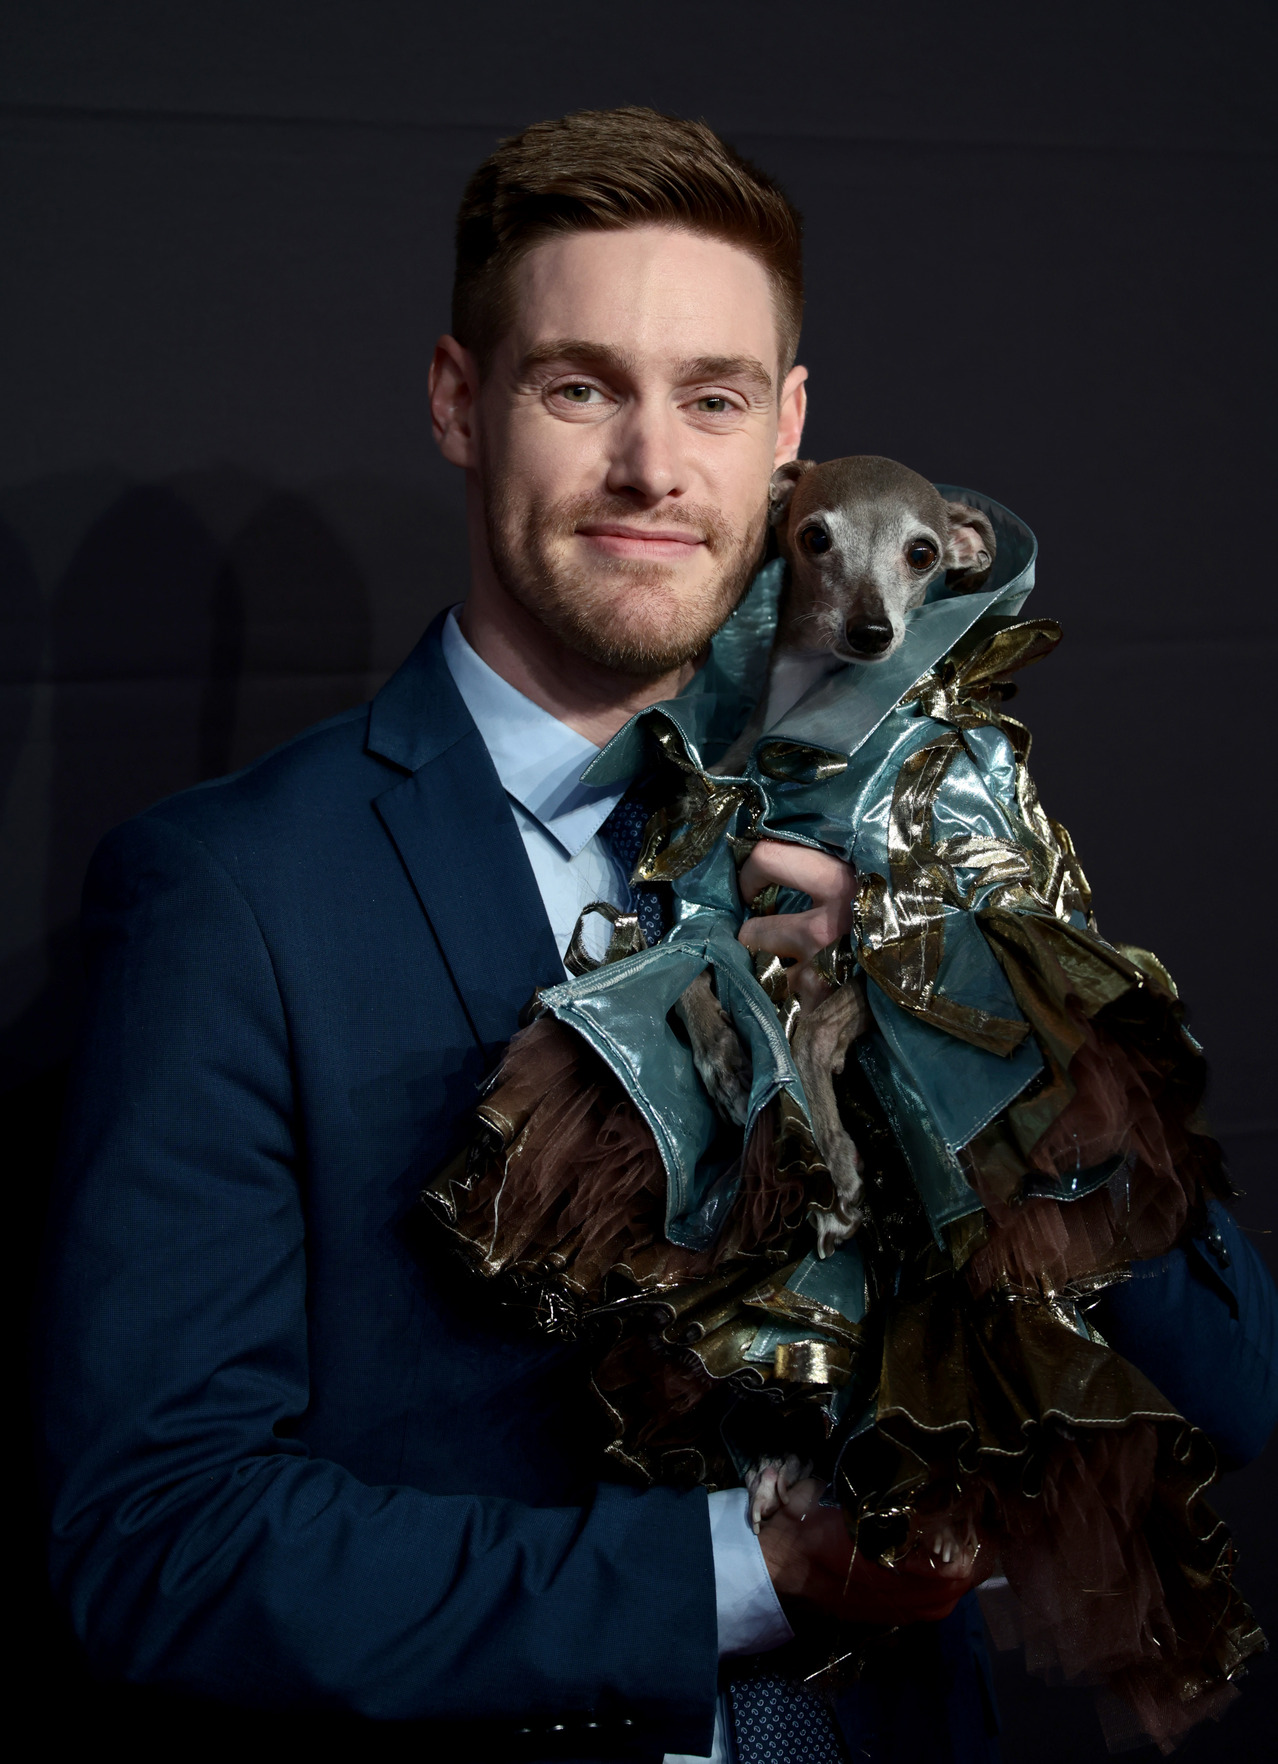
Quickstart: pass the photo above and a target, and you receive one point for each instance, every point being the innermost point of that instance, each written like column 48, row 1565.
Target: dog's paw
column 769, row 1484
column 950, row 1541
column 834, row 1225
column 844, row 1162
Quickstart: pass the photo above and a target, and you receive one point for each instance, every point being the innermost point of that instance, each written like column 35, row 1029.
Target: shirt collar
column 538, row 759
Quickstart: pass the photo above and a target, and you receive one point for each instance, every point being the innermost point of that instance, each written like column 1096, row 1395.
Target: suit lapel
column 452, row 826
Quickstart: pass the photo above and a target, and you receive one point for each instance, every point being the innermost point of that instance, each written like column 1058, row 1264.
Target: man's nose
column 647, row 459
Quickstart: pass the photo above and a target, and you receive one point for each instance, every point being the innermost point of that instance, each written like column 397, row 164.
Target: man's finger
column 815, row 873
column 798, row 936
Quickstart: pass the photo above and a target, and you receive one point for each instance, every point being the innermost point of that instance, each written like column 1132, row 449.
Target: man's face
column 624, row 438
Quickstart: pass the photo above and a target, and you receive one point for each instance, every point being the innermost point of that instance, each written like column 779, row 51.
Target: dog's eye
column 921, row 555
column 815, row 540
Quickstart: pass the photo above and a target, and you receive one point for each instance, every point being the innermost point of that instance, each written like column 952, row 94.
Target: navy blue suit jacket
column 292, row 1462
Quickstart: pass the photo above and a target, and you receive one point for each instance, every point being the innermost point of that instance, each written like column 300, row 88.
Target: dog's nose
column 870, row 639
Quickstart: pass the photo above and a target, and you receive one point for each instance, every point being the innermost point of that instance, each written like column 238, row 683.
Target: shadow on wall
column 149, row 680
column 195, row 625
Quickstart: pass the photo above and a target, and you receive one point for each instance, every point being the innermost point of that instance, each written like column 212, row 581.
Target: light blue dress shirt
column 539, row 761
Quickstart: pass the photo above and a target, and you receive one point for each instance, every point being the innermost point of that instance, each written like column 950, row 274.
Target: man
column 294, row 1465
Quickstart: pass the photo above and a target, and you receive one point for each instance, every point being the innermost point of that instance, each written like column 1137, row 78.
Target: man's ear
column 781, row 489
column 792, row 410
column 453, row 387
column 970, row 552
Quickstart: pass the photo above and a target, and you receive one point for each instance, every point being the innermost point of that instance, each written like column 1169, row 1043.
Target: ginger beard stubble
column 636, row 616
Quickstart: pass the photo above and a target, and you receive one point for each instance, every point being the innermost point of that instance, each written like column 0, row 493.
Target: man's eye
column 577, row 394
column 814, row 540
column 713, row 405
column 921, row 555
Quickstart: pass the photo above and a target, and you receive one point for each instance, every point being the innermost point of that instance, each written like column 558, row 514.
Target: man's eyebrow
column 726, row 367
column 580, row 353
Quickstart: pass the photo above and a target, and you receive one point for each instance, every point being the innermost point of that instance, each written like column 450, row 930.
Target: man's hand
column 810, row 1558
column 798, row 936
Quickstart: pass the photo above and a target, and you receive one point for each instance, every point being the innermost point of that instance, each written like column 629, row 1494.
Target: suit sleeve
column 1202, row 1324
column 194, row 1543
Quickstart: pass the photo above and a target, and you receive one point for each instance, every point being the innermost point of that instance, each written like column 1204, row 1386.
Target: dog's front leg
column 718, row 1052
column 822, row 1037
column 769, row 1483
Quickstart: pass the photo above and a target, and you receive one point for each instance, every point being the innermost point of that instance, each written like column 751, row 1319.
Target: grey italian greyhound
column 863, row 540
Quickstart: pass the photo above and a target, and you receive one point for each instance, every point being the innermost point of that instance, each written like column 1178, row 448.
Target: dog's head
column 864, row 539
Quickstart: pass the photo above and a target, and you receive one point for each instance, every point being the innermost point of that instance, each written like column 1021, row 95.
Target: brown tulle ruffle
column 1123, row 1084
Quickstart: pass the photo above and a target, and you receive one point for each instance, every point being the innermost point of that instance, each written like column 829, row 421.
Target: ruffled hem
column 1006, row 1422
column 562, row 1193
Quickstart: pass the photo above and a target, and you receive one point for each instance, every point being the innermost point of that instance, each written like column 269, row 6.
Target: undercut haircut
column 602, row 170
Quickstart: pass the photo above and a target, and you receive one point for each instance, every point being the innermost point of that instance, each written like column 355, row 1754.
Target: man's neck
column 592, row 699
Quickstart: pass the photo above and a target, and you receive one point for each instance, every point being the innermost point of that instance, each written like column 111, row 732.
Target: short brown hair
column 599, row 170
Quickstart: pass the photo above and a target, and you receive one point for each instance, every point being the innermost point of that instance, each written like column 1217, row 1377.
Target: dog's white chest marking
column 793, row 671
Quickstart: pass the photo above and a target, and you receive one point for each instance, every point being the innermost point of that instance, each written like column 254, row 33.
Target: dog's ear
column 781, row 489
column 969, row 555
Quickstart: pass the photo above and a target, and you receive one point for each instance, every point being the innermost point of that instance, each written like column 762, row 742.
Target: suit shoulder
column 327, row 758
column 298, row 794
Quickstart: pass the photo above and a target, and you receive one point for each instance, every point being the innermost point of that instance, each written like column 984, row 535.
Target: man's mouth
column 615, row 539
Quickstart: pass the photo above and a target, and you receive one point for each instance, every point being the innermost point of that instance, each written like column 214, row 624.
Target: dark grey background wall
column 1039, row 264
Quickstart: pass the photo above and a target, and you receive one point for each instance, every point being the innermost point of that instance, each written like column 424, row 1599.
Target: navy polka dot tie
column 623, row 831
column 777, row 1721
